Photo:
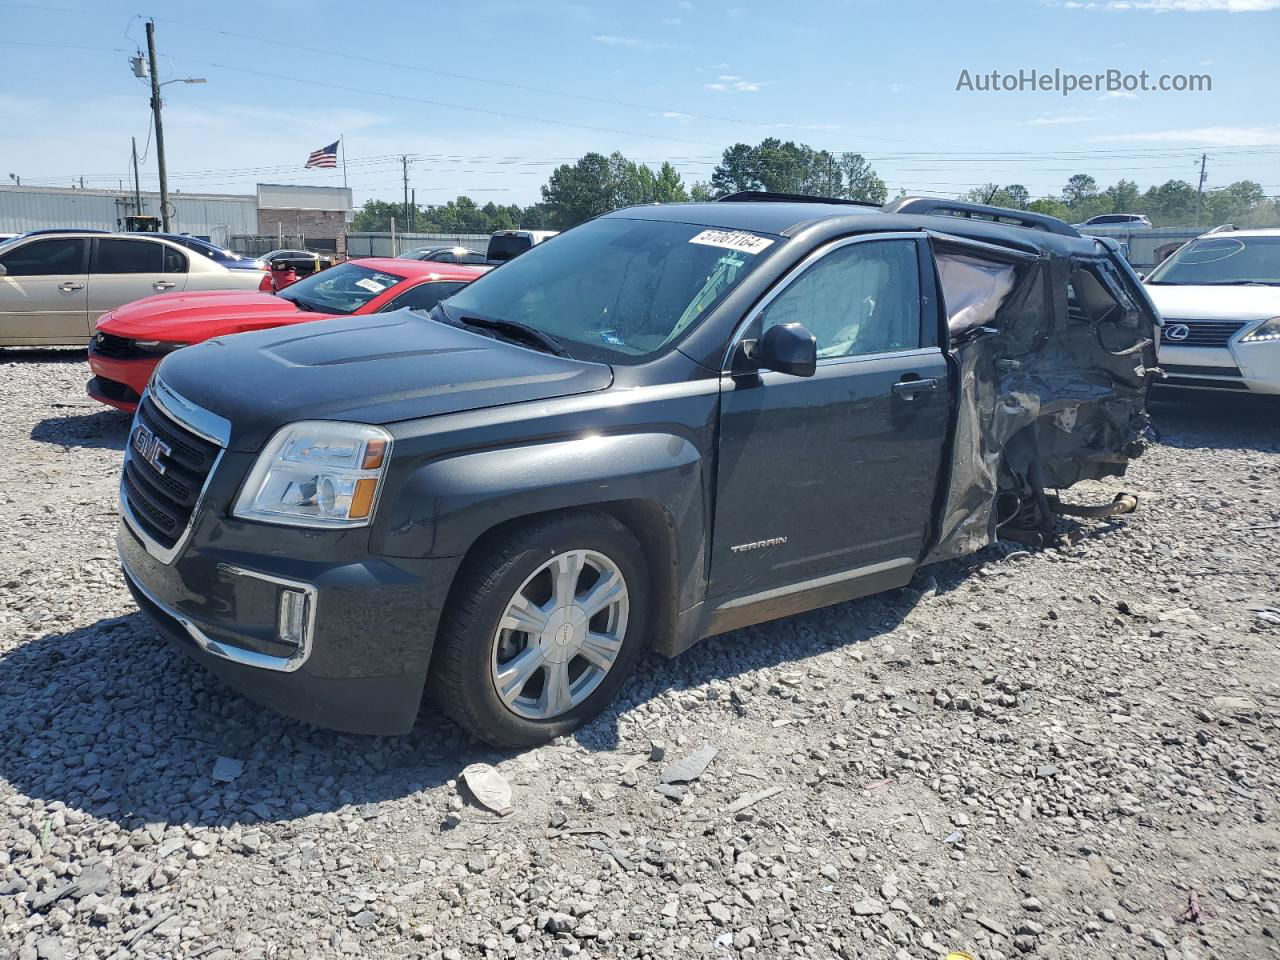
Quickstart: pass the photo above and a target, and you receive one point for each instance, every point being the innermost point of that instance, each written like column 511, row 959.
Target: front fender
column 443, row 506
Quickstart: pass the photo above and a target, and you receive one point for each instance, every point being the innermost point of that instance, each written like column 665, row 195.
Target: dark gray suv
column 666, row 423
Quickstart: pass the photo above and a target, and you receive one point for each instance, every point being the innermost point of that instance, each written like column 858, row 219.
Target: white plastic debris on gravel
column 1069, row 753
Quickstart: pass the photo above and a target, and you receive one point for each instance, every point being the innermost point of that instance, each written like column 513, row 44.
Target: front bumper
column 119, row 383
column 1234, row 368
column 363, row 659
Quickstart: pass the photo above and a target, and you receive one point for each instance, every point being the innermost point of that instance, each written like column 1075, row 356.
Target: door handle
column 164, row 284
column 907, row 389
column 69, row 287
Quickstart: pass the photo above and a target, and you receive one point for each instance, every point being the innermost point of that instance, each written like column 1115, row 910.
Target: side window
column 128, row 256
column 174, row 261
column 63, row 255
column 861, row 299
column 473, row 258
column 424, row 296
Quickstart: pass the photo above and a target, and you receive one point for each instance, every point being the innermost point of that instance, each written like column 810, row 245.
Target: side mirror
column 788, row 348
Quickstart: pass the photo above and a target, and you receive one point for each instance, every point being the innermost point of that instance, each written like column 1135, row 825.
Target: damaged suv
column 666, row 423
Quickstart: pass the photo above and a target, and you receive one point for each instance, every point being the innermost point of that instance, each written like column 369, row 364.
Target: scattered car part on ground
column 666, row 425
column 131, row 340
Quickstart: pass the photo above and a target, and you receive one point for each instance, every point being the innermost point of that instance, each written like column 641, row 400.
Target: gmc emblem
column 151, row 448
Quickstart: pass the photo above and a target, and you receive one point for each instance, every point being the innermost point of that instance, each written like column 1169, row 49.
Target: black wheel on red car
column 543, row 629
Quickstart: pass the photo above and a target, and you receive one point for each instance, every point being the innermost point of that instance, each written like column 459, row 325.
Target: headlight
column 159, row 346
column 317, row 474
column 1268, row 331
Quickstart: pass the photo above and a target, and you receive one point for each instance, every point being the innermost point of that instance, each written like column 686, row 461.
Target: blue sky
column 670, row 79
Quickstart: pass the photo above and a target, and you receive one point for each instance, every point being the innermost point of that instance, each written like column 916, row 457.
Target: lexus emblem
column 151, row 448
column 1177, row 332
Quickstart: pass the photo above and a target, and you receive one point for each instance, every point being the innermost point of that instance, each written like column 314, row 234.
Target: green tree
column 702, row 191
column 791, row 167
column 858, row 181
column 668, row 187
column 597, row 184
column 1123, row 196
column 1234, row 202
column 1172, row 204
column 376, row 216
column 1014, row 197
column 1080, row 189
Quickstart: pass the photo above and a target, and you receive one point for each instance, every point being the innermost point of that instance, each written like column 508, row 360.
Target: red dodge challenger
column 132, row 339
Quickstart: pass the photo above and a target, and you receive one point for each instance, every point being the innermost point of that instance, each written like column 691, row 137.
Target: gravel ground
column 1067, row 753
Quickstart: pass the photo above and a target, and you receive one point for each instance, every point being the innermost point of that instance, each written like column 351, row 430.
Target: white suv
column 1220, row 299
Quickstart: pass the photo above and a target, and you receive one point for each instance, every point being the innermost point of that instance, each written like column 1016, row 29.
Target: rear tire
column 542, row 629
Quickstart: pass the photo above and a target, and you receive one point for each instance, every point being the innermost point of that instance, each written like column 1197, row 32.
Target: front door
column 122, row 270
column 836, row 473
column 43, row 292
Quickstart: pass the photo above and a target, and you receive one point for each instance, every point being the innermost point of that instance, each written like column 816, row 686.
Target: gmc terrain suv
column 666, row 423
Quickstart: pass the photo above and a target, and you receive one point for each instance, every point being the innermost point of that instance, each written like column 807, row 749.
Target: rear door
column 124, row 269
column 834, row 476
column 43, row 293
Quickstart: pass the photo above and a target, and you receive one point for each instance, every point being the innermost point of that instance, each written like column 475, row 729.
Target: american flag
column 324, row 157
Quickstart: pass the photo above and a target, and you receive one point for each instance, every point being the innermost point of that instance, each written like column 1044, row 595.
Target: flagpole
column 342, row 143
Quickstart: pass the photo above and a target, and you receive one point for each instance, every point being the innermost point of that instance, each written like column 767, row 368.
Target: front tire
column 542, row 629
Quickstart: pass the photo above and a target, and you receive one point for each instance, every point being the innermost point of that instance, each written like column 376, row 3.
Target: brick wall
column 312, row 224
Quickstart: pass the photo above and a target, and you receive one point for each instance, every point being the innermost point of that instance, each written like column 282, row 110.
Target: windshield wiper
column 1243, row 283
column 519, row 331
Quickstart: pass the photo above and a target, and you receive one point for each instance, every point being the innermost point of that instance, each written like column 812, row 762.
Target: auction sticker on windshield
column 373, row 286
column 732, row 240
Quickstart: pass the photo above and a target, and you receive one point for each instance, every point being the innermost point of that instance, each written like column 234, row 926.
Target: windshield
column 615, row 289
column 507, row 248
column 1222, row 260
column 341, row 289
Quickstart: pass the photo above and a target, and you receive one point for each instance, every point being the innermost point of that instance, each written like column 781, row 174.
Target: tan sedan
column 54, row 287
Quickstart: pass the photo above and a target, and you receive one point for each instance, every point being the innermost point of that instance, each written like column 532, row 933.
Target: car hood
column 191, row 317
column 1192, row 302
column 374, row 369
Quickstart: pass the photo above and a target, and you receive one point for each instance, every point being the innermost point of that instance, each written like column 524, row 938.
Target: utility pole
column 413, row 211
column 404, row 163
column 137, row 188
column 155, row 109
column 1200, row 188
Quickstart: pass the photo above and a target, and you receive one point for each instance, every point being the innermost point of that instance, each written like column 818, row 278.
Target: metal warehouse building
column 318, row 216
column 213, row 215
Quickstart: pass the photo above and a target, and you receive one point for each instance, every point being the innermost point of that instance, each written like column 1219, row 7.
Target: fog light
column 291, row 625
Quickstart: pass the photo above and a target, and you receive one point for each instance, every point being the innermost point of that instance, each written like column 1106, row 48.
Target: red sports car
column 132, row 339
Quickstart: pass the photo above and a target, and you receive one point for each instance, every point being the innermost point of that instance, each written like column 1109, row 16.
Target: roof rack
column 765, row 196
column 980, row 211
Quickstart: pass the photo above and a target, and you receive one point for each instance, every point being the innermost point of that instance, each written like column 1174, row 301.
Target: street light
column 185, row 80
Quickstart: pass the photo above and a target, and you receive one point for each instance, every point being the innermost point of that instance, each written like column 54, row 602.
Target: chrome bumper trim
column 225, row 651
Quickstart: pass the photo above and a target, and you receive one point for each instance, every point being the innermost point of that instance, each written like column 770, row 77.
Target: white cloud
column 737, row 11
column 1119, row 95
column 612, row 40
column 673, row 115
column 1202, row 136
column 1044, row 121
column 1177, row 6
column 727, row 83
column 671, row 21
